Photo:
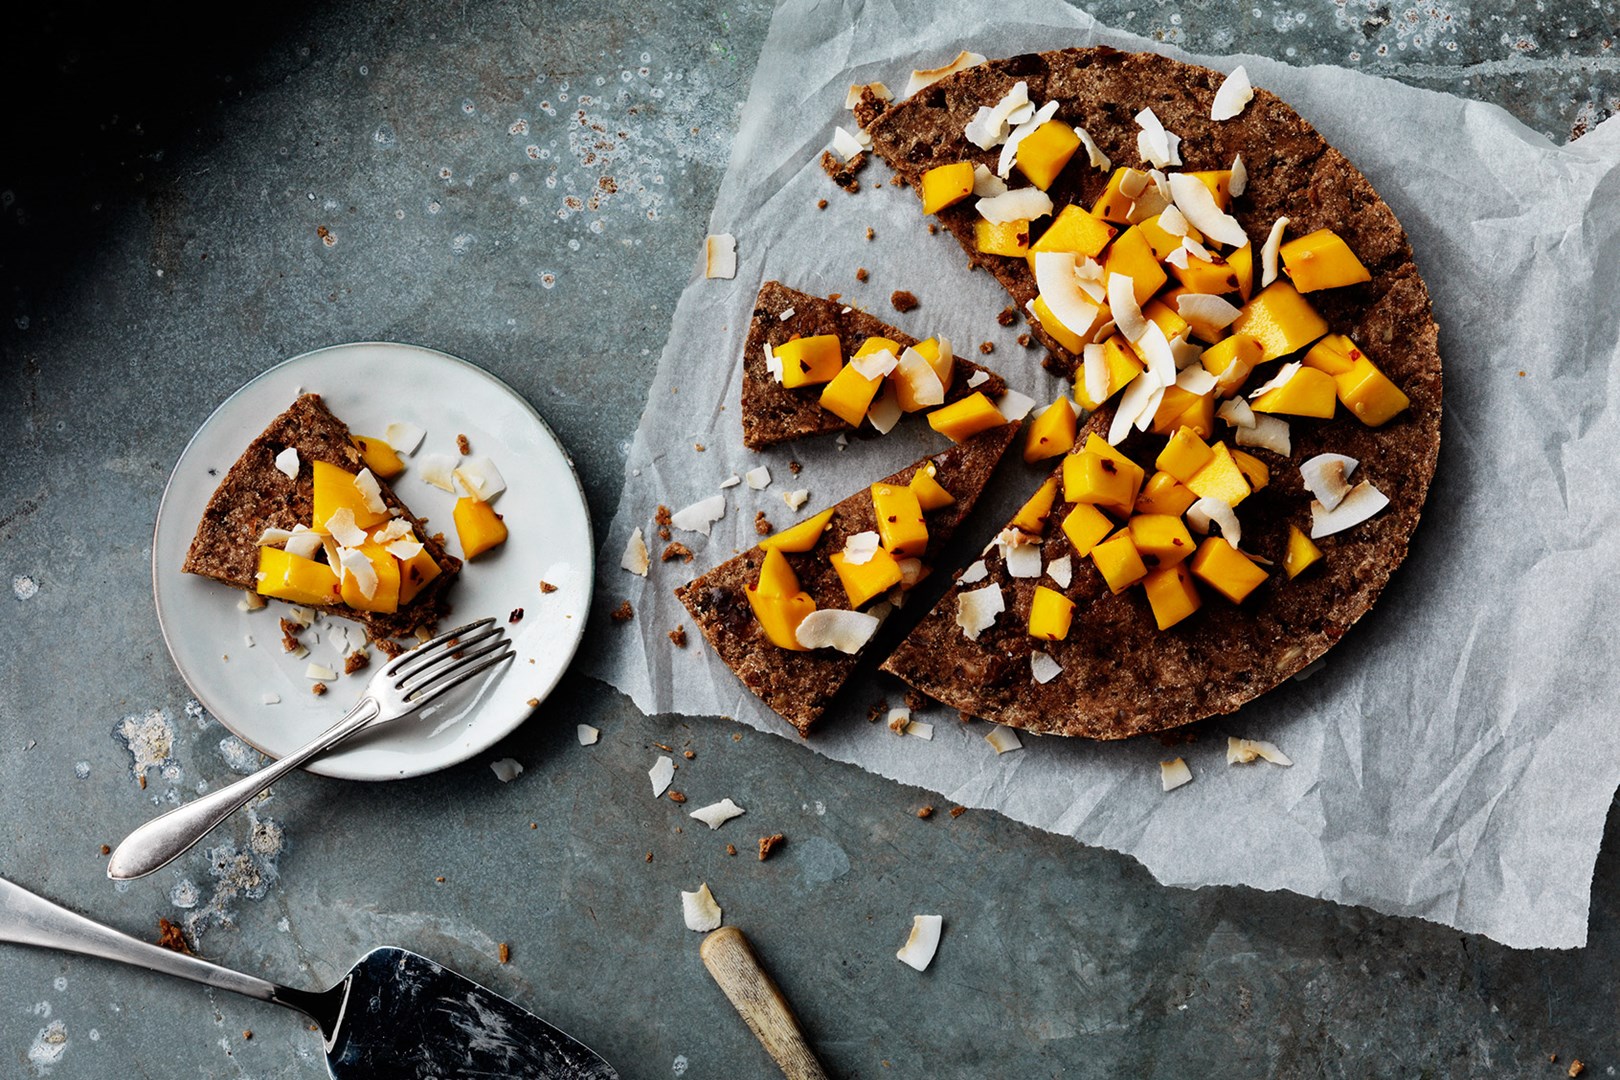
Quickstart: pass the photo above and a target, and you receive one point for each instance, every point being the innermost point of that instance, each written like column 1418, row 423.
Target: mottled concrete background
column 185, row 201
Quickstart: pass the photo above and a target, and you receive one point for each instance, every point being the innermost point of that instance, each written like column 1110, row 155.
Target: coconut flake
column 773, row 363
column 1195, row 380
column 759, row 477
column 720, row 256
column 1362, row 503
column 1140, row 401
column 370, row 492
column 1155, row 350
column 1240, row 177
column 1013, row 405
column 1205, row 311
column 1269, row 252
column 318, row 672
column 974, row 574
column 1098, row 160
column 1269, row 433
column 1155, row 143
column 902, row 724
column 587, row 734
column 1061, row 571
column 833, row 628
column 988, row 128
column 1022, row 558
column 978, row 378
column 272, row 537
column 1243, row 751
column 1095, row 376
column 1009, row 149
column 717, row 814
column 860, row 547
column 1019, row 204
column 920, row 376
column 1194, row 249
column 635, row 558
column 481, row 479
column 662, row 775
column 923, row 942
column 303, row 616
column 845, row 143
column 270, row 698
column 730, row 482
column 1198, row 204
column 1234, row 93
column 287, row 462
column 885, row 411
column 987, row 184
column 876, row 365
column 404, row 437
column 795, row 499
column 976, row 610
column 1236, row 412
column 1208, row 511
column 343, row 529
column 356, row 565
column 1174, row 773
column 1277, row 381
column 403, row 550
column 1126, row 311
column 853, row 98
column 786, row 313
column 963, row 61
column 506, row 769
column 1043, row 668
column 439, row 470
column 1327, row 478
column 700, row 515
column 397, row 529
column 251, row 601
column 1059, row 286
column 699, row 910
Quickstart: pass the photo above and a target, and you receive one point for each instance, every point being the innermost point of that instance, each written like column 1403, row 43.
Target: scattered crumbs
column 762, row 524
column 247, row 1034
column 731, row 849
column 1007, row 316
column 516, row 616
column 1521, row 374
column 677, row 550
column 1576, row 1067
column 439, row 880
column 105, row 850
column 534, row 824
column 142, row 780
column 795, row 468
column 843, row 173
column 987, row 347
column 676, row 796
column 289, row 635
column 318, row 689
column 1023, row 339
column 533, row 703
column 662, row 516
column 878, row 708
column 623, row 613
column 862, row 273
column 663, row 532
column 463, row 445
column 958, row 811
column 678, row 637
column 736, row 736
column 903, row 301
column 925, row 812
column 547, row 587
column 768, row 844
column 359, row 660
column 871, row 234
column 504, row 953
column 932, row 228
column 821, row 204
column 688, row 755
column 699, row 447
column 835, row 297
column 649, row 856
column 665, row 749
column 171, row 937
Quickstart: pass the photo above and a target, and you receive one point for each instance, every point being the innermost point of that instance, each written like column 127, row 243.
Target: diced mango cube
column 849, row 395
column 1113, row 204
column 809, row 361
column 1164, row 494
column 1333, row 354
column 296, row 579
column 1065, row 337
column 1052, row 432
column 1321, row 260
column 335, row 490
column 1226, row 569
column 1131, row 255
column 1184, row 455
column 1043, row 152
column 1281, row 319
column 379, row 457
column 1077, row 231
column 1171, row 594
column 1009, row 238
column 1171, row 322
column 1301, row 554
column 1167, row 417
column 863, row 581
column 1253, row 469
column 1050, row 613
column 1099, row 481
column 1220, row 478
column 1161, row 539
column 1031, row 517
column 1239, row 349
column 1206, row 275
column 778, row 602
column 965, row 418
column 931, row 494
column 1242, row 263
column 1162, row 242
column 1199, row 417
column 1118, row 561
column 1369, row 393
column 1219, row 182
column 1085, row 526
column 478, row 527
column 876, row 344
column 384, row 599
column 414, row 574
column 899, row 520
column 801, row 537
column 776, row 576
column 946, row 185
column 1309, row 392
column 1123, row 366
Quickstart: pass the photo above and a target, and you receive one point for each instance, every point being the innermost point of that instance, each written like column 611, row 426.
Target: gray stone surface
column 165, row 198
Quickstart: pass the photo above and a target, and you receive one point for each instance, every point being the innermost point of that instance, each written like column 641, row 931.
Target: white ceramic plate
column 368, row 386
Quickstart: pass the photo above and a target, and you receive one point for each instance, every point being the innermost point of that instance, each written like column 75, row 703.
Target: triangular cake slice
column 799, row 684
column 257, row 495
column 773, row 413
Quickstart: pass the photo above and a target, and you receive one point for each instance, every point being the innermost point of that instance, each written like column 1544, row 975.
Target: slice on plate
column 777, row 408
column 851, row 560
column 301, row 518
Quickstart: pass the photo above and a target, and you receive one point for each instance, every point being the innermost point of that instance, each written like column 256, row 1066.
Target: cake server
column 394, row 1016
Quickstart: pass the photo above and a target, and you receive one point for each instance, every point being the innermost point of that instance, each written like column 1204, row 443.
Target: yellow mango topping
column 414, row 574
column 778, row 602
column 1334, row 354
column 1031, row 517
column 1219, row 182
column 1098, row 445
column 944, row 365
column 946, row 185
column 1004, row 238
column 876, row 344
column 801, row 537
column 1132, row 255
column 1077, row 231
column 1163, row 243
column 1204, row 276
column 1164, row 494
column 1281, row 319
column 1171, row 594
column 1242, row 263
column 1043, row 152
column 1049, row 322
column 296, row 579
column 1171, row 322
column 1253, row 469
column 1301, row 554
column 776, row 576
column 1052, row 432
column 384, row 599
column 1199, row 417
column 1167, row 417
column 1240, row 349
column 1113, row 204
column 1184, row 455
column 931, row 495
column 1050, row 613
column 809, row 361
column 1308, row 393
column 1321, row 260
column 862, row 581
column 1220, row 478
column 1226, row 569
column 1085, row 526
column 1123, row 366
column 1161, row 539
column 335, row 490
column 1100, row 481
column 478, row 527
column 963, row 419
column 1369, row 394
column 899, row 520
column 1118, row 561
column 379, row 457
column 849, row 395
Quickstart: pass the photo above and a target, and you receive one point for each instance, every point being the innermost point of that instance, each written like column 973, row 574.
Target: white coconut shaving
column 845, row 144
column 1236, row 412
column 700, row 515
column 1061, row 571
column 439, row 470
column 1174, row 773
column 832, row 628
column 480, row 477
column 343, row 529
column 404, row 437
column 1195, row 380
column 759, row 477
column 906, row 726
column 303, row 616
column 1094, row 155
column 773, row 364
column 1042, row 668
column 920, row 79
column 1095, row 376
column 1123, row 306
column 1244, row 751
column 885, row 411
column 1059, row 285
column 986, row 184
column 921, row 378
column 1197, row 203
column 1009, row 149
column 403, row 550
column 876, row 365
column 922, row 943
column 370, row 492
column 287, row 462
column 506, row 769
column 1240, row 177
column 1234, row 93
column 1154, row 348
column 717, row 814
column 587, row 734
column 1277, row 381
column 796, row 499
column 1219, row 513
column 911, row 571
column 786, row 313
column 1019, row 554
column 730, row 482
column 1269, row 252
column 1019, row 204
column 635, row 558
column 1327, row 476
column 989, row 126
column 976, row 610
column 700, row 911
column 318, row 672
column 860, row 547
column 720, row 256
column 251, row 601
column 1156, row 144
column 272, row 537
column 270, row 698
column 974, row 574
column 1140, row 401
column 1268, row 433
column 1014, row 405
column 396, row 529
column 1362, row 503
column 978, row 378
column 662, row 775
column 1003, row 739
column 1206, row 312
column 357, row 566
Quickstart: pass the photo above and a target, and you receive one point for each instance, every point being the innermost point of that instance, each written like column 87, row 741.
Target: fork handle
column 168, row 836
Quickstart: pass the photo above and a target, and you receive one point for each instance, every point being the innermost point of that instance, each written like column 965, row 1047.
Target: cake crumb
column 731, row 849
column 318, row 689
column 878, row 708
column 736, row 736
column 925, row 812
column 463, row 445
column 862, row 273
column 795, row 468
column 359, row 660
column 387, row 646
column 1576, row 1067
column 649, row 856
column 662, row 515
column 142, row 780
column 688, row 755
column 699, row 447
column 623, row 613
column 768, row 844
column 762, row 524
column 678, row 636
column 932, row 228
column 958, row 811
column 987, row 347
column 547, row 587
column 676, row 796
column 1023, row 339
column 533, row 703
column 843, row 173
column 439, row 880
column 903, row 301
column 289, row 635
column 171, row 937
column 504, row 953
column 1007, row 316
column 676, row 550
column 105, row 850
column 821, row 204
column 871, row 234
column 247, row 1034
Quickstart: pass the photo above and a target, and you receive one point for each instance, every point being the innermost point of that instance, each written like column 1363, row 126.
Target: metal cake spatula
column 394, row 1016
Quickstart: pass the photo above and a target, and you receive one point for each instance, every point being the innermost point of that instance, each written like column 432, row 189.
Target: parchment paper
column 1456, row 756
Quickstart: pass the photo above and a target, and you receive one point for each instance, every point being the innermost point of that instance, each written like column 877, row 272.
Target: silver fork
column 404, row 685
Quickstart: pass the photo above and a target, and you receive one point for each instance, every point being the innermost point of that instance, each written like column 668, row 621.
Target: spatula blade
column 408, row 1018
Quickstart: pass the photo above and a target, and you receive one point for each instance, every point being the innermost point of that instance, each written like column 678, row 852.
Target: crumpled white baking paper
column 1455, row 757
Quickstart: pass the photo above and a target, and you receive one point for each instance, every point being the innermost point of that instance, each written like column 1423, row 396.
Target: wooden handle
column 731, row 960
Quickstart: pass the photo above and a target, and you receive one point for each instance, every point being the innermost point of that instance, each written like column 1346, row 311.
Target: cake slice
column 825, row 569
column 259, row 512
column 774, row 413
